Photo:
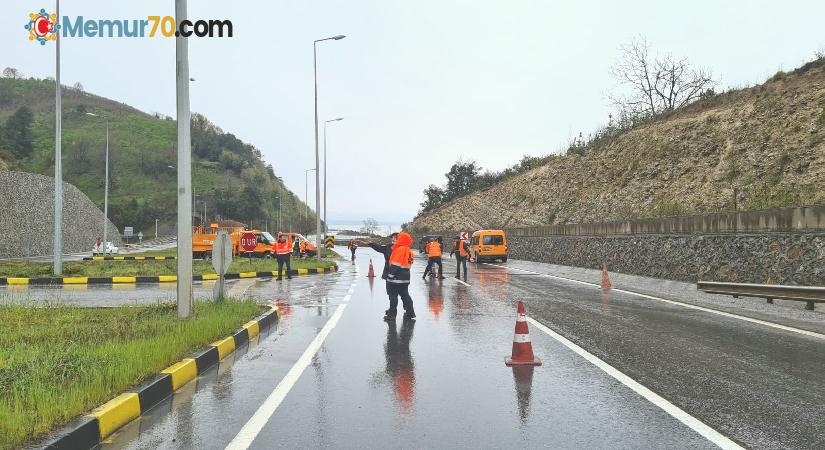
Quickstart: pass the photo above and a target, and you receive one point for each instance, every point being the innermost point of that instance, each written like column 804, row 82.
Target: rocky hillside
column 754, row 148
column 29, row 230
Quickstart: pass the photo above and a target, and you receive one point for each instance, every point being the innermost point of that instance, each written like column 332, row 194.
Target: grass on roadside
column 145, row 268
column 56, row 363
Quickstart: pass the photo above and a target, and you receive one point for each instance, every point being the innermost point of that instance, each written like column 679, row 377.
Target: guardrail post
column 809, row 306
column 770, row 300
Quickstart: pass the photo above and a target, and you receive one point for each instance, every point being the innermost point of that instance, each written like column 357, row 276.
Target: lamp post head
column 339, row 37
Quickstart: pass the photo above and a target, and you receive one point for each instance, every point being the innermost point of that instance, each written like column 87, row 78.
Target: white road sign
column 222, row 253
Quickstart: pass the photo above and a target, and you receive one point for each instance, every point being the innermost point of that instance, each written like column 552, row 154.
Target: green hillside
column 228, row 174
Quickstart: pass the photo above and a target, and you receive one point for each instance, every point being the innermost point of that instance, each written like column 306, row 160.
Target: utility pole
column 184, row 169
column 317, row 168
column 306, row 196
column 106, row 190
column 106, row 186
column 58, row 160
column 326, row 224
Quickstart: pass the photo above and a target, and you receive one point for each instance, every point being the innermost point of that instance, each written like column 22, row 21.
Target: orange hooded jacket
column 401, row 259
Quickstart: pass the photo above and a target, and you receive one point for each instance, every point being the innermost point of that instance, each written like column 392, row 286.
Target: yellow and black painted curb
column 128, row 258
column 90, row 430
column 47, row 281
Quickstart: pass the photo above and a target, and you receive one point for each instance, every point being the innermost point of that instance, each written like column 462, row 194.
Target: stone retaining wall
column 27, row 217
column 793, row 258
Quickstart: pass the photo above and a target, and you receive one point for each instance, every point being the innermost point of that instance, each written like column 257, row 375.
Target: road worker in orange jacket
column 433, row 250
column 282, row 251
column 303, row 247
column 398, row 277
column 461, row 248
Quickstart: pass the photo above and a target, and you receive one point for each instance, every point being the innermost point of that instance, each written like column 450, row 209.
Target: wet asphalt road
column 440, row 382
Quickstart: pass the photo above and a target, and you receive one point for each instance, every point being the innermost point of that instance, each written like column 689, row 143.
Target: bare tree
column 370, row 225
column 657, row 83
column 11, row 72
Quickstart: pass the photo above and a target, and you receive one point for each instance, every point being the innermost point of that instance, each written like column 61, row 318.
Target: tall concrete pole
column 317, row 164
column 106, row 192
column 58, row 160
column 326, row 224
column 325, row 184
column 306, row 196
column 184, row 169
column 317, row 169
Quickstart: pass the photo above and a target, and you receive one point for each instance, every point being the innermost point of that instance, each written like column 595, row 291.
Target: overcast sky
column 420, row 83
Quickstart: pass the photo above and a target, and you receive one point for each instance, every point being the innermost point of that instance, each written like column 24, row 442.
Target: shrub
column 777, row 76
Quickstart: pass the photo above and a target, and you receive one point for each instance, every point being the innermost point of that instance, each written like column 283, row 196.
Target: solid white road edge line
column 686, row 305
column 679, row 414
column 253, row 427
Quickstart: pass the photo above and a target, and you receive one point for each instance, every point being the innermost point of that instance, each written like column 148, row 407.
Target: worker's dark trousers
column 460, row 261
column 398, row 289
column 284, row 259
column 430, row 262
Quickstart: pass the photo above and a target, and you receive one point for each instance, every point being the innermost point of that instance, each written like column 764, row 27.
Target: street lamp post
column 317, row 175
column 279, row 212
column 326, row 224
column 58, row 159
column 184, row 219
column 306, row 196
column 105, row 188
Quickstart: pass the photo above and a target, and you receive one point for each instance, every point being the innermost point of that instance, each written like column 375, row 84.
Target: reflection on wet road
column 441, row 382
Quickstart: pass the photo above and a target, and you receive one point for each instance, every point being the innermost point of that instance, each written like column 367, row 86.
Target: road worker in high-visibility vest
column 282, row 251
column 398, row 277
column 433, row 250
column 461, row 249
column 303, row 247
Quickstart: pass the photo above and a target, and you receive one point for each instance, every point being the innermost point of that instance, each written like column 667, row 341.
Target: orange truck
column 204, row 237
column 311, row 250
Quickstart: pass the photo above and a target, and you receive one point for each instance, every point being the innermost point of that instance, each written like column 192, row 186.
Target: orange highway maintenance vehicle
column 310, row 248
column 204, row 237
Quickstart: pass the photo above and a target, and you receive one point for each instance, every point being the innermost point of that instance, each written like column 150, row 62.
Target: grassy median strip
column 57, row 363
column 147, row 268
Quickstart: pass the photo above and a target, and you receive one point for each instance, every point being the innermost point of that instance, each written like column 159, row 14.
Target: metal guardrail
column 808, row 294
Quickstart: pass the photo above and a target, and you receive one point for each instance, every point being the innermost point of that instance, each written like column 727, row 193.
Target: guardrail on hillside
column 801, row 219
column 808, row 294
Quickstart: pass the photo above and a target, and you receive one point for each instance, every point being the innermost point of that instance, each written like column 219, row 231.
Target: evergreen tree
column 17, row 135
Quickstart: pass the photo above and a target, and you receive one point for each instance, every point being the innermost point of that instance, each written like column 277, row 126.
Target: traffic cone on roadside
column 522, row 347
column 371, row 272
column 605, row 278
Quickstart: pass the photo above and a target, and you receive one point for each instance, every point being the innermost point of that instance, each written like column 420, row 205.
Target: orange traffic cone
column 522, row 347
column 371, row 272
column 605, row 278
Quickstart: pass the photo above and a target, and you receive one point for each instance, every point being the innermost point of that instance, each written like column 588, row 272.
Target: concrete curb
column 90, row 430
column 46, row 281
